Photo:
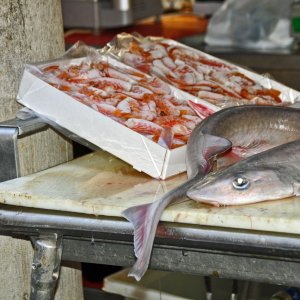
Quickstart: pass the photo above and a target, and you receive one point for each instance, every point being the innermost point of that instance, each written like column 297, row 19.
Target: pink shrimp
column 138, row 92
column 174, row 100
column 186, row 110
column 186, row 75
column 166, row 107
column 107, row 109
column 111, row 84
column 132, row 108
column 94, row 93
column 180, row 129
column 191, row 121
column 177, row 124
column 144, row 126
column 157, row 86
column 164, row 69
column 128, row 105
column 157, row 51
column 126, row 76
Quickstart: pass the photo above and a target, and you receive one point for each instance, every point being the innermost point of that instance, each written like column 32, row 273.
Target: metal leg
column 208, row 288
column 251, row 291
column 45, row 267
column 234, row 290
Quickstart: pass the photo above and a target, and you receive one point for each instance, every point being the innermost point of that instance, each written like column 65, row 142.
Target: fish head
column 241, row 187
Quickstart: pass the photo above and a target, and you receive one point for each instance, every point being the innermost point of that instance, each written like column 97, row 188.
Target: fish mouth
column 194, row 195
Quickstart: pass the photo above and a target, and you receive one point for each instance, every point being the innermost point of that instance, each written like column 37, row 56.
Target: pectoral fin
column 215, row 145
column 201, row 150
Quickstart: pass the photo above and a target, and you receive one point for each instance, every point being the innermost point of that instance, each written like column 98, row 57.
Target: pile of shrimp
column 143, row 103
column 211, row 80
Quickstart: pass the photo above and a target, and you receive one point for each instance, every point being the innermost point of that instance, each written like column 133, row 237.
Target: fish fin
column 296, row 187
column 210, row 146
column 215, row 145
column 144, row 220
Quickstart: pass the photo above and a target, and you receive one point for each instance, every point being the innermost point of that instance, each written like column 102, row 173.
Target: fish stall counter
column 73, row 211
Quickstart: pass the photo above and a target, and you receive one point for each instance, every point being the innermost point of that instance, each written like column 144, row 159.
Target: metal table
column 204, row 250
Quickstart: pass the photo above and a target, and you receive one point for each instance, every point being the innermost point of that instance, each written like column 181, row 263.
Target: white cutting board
column 101, row 184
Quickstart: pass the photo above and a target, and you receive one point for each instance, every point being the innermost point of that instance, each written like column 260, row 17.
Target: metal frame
column 228, row 253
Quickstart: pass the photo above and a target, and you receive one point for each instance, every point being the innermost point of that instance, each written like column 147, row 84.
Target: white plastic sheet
column 256, row 24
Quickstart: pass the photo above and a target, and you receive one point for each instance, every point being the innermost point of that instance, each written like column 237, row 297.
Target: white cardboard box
column 140, row 152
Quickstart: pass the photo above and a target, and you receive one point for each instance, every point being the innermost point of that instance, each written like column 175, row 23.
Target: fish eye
column 240, row 183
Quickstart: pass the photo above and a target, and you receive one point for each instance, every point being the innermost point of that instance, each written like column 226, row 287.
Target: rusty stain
column 164, row 231
column 206, row 218
column 177, row 218
column 25, row 195
column 215, row 274
column 25, row 296
column 21, row 146
column 44, row 260
column 161, row 230
column 250, row 219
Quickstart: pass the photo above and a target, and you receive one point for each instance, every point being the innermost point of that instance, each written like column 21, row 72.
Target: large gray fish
column 249, row 129
column 272, row 174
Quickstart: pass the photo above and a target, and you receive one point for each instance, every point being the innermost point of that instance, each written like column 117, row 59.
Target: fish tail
column 144, row 220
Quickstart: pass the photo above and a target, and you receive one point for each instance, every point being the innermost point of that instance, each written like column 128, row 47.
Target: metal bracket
column 9, row 132
column 45, row 266
column 9, row 157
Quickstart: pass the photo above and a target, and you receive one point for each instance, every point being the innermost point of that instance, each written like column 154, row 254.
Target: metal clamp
column 10, row 130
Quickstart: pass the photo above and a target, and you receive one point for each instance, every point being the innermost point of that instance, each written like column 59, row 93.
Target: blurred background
column 96, row 22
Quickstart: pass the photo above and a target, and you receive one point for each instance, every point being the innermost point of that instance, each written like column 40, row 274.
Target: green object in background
column 295, row 19
column 296, row 24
